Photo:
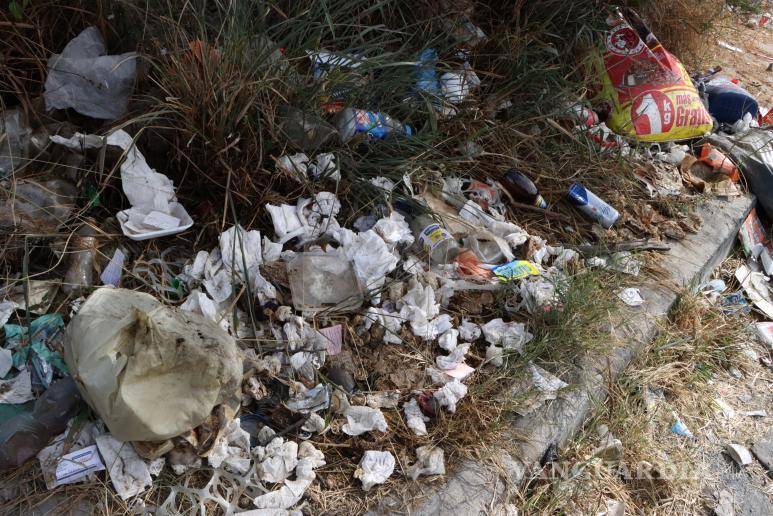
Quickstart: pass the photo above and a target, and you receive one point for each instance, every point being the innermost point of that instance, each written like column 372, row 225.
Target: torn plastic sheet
column 294, row 166
column 538, row 294
column 450, row 394
column 631, row 296
column 415, row 418
column 17, row 390
column 6, row 311
column 755, row 284
column 200, row 303
column 324, row 166
column 44, row 330
column 375, row 467
column 111, row 275
column 508, row 335
column 82, row 77
column 429, row 461
column 361, row 419
column 310, row 400
column 128, row 472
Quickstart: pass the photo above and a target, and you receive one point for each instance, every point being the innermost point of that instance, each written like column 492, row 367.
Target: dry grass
column 688, row 363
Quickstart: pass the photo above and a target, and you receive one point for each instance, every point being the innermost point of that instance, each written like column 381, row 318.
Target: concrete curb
column 478, row 487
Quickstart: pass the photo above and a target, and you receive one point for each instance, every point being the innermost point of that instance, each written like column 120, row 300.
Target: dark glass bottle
column 522, row 189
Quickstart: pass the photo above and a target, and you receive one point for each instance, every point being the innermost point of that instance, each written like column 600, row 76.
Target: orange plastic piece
column 719, row 162
column 469, row 265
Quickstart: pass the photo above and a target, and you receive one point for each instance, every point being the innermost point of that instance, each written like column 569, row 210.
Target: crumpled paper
column 82, row 77
column 394, row 230
column 538, row 293
column 511, row 336
column 278, row 461
column 418, row 306
column 415, row 418
column 200, row 303
column 125, row 348
column 429, row 461
column 391, row 321
column 232, row 449
column 361, row 419
column 128, row 472
column 307, row 220
column 375, row 467
column 371, row 256
column 294, row 166
column 450, row 394
column 453, row 359
column 469, row 331
column 456, row 85
column 291, row 492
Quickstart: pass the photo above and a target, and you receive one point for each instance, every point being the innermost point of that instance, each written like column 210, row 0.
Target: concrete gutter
column 480, row 487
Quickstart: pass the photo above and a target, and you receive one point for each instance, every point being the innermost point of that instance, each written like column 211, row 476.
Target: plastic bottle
column 435, row 240
column 24, row 435
column 351, row 122
column 592, row 205
column 522, row 189
column 426, row 75
column 728, row 102
column 14, row 141
column 80, row 275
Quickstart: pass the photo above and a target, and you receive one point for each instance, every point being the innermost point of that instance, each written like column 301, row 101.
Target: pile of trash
column 241, row 356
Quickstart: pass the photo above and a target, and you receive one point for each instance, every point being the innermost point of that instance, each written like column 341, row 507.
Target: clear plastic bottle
column 434, row 239
column 80, row 276
column 351, row 122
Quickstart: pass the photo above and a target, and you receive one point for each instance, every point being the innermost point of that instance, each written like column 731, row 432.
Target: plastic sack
column 652, row 97
column 150, row 371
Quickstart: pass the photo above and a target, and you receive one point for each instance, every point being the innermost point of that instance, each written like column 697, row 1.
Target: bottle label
column 515, row 270
column 432, row 236
column 370, row 123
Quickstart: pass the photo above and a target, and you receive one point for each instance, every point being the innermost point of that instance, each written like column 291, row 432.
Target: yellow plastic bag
column 652, row 98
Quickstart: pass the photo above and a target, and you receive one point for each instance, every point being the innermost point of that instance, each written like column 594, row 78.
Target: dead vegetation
column 681, row 373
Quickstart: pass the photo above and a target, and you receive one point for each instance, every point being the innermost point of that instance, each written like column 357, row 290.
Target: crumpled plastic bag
column 469, row 331
column 150, row 371
column 375, row 467
column 82, row 77
column 361, row 419
column 429, row 461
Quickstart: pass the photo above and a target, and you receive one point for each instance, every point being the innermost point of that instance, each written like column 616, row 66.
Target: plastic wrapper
column 125, row 347
column 82, row 77
column 360, row 419
column 374, row 468
column 650, row 93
